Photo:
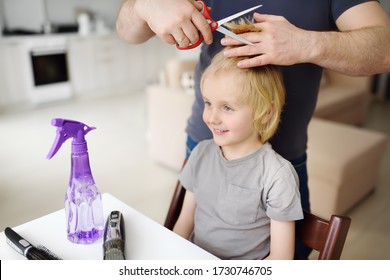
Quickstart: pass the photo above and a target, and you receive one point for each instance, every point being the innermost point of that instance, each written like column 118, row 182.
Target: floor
column 32, row 186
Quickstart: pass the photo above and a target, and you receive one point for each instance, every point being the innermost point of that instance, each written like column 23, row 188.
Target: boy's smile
column 219, row 131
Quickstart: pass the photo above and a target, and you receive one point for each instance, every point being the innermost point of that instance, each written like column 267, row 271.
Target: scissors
column 217, row 25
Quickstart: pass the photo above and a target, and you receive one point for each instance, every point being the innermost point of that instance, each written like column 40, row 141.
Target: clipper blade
column 114, row 250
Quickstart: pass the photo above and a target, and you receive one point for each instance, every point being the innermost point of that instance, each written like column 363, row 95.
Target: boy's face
column 228, row 118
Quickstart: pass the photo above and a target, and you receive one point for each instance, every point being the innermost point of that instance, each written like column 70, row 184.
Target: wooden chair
column 175, row 206
column 323, row 236
column 326, row 237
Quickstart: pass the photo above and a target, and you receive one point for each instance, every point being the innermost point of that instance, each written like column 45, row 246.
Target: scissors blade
column 230, row 18
column 229, row 33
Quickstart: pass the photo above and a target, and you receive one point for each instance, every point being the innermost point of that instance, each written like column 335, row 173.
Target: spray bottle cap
column 70, row 129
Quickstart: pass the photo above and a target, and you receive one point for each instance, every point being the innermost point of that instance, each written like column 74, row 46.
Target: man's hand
column 174, row 21
column 279, row 42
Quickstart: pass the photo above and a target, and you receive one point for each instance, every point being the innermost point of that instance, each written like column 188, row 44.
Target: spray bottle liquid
column 83, row 201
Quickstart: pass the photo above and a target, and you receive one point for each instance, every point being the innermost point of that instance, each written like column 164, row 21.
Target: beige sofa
column 343, row 160
column 343, row 98
column 343, row 164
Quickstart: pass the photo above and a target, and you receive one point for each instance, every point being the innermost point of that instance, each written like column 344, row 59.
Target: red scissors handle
column 213, row 25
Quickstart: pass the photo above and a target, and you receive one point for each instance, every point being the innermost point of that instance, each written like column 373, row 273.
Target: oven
column 49, row 67
column 49, row 71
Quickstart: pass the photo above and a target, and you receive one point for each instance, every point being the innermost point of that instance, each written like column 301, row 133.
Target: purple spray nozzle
column 69, row 129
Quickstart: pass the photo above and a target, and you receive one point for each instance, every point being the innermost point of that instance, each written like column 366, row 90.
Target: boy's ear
column 266, row 118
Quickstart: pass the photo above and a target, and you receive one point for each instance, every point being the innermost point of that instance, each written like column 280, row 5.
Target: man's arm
column 174, row 21
column 362, row 47
column 130, row 26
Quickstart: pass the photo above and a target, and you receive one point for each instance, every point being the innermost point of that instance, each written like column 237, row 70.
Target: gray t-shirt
column 236, row 199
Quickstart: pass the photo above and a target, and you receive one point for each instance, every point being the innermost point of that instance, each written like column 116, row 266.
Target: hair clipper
column 114, row 237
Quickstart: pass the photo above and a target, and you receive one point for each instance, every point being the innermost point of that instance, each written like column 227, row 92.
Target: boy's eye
column 207, row 103
column 227, row 108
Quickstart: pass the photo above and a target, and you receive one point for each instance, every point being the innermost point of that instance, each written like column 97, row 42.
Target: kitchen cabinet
column 97, row 65
column 105, row 64
column 14, row 65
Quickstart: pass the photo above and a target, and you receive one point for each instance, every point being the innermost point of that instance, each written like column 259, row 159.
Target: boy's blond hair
column 262, row 88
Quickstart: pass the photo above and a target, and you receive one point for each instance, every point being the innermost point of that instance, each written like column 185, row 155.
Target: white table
column 145, row 238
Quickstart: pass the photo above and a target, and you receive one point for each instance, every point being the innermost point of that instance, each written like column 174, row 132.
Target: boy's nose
column 214, row 117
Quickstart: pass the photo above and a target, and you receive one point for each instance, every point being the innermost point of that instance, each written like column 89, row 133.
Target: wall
column 31, row 14
column 65, row 11
column 22, row 14
column 1, row 17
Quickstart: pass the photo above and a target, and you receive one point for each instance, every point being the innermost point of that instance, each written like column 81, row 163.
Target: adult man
column 303, row 37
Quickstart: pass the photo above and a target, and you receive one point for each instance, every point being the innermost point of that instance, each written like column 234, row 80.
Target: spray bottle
column 83, row 201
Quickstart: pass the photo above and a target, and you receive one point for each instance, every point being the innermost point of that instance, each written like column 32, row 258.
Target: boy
column 242, row 198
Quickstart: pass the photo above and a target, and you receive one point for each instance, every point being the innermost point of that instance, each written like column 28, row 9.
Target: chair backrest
column 326, row 237
column 175, row 206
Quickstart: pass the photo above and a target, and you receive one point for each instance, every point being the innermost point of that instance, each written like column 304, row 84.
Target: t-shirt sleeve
column 340, row 6
column 283, row 202
column 187, row 175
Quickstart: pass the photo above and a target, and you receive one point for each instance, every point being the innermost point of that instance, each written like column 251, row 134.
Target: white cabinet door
column 97, row 64
column 81, row 65
column 103, row 64
column 14, row 69
column 110, row 62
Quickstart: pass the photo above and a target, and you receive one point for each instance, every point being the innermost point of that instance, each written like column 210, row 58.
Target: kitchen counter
column 50, row 37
